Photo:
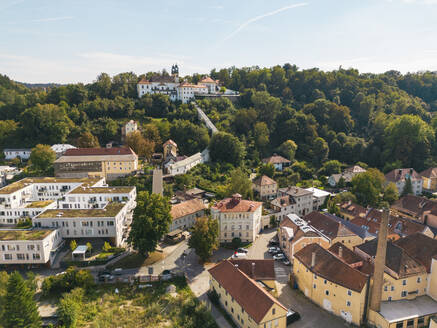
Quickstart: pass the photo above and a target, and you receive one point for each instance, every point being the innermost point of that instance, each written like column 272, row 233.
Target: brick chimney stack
column 340, row 252
column 313, row 259
column 378, row 275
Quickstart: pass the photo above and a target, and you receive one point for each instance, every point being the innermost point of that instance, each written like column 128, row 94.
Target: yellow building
column 350, row 210
column 433, row 322
column 330, row 282
column 249, row 305
column 259, row 270
column 110, row 163
column 429, row 178
column 265, row 187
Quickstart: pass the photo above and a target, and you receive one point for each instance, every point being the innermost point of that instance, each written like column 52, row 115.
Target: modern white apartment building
column 238, row 218
column 109, row 222
column 33, row 246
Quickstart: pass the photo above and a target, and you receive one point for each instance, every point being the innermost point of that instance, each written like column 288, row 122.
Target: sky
column 73, row 41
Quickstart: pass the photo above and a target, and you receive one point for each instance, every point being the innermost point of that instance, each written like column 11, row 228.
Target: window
column 276, row 323
column 404, row 282
column 400, row 325
column 20, row 257
column 326, row 292
column 348, row 303
column 314, row 286
column 8, row 256
column 273, row 311
column 389, row 299
column 410, row 323
column 404, row 293
column 325, row 281
column 349, row 293
column 392, row 288
column 419, row 280
column 385, row 288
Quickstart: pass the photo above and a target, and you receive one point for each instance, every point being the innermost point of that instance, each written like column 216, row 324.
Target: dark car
column 274, row 242
column 292, row 316
column 105, row 276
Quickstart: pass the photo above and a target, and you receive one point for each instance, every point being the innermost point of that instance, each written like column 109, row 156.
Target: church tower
column 175, row 70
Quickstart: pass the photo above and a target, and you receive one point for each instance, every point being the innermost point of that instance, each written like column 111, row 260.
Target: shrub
column 67, row 281
column 73, row 245
column 236, row 242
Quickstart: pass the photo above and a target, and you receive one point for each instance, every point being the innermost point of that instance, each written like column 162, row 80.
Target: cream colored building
column 265, row 187
column 249, row 305
column 129, row 127
column 238, row 218
column 108, row 163
column 33, row 246
column 184, row 214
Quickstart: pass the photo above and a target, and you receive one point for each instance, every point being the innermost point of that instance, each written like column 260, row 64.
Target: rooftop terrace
column 33, row 234
column 111, row 210
column 102, row 190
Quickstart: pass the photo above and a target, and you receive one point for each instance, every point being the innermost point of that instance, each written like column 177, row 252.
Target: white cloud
column 257, row 18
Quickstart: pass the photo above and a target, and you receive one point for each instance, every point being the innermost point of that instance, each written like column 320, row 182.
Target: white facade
column 28, row 250
column 60, row 149
column 417, row 186
column 183, row 166
column 17, row 153
column 293, row 200
column 319, row 197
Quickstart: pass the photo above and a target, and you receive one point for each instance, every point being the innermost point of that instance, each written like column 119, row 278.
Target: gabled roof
column 397, row 260
column 351, row 258
column 263, row 181
column 353, row 209
column 186, row 208
column 295, row 191
column 256, row 269
column 420, row 247
column 275, row 159
column 207, row 80
column 430, row 173
column 358, row 230
column 355, row 169
column 330, row 267
column 414, row 205
column 402, row 174
column 327, row 225
column 171, row 142
column 246, row 292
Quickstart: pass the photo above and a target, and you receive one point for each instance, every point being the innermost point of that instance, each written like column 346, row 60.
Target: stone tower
column 378, row 274
column 175, row 70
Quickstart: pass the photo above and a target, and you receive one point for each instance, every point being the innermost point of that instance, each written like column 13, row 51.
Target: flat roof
column 13, row 187
column 395, row 311
column 20, row 234
column 110, row 210
column 102, row 190
column 81, row 249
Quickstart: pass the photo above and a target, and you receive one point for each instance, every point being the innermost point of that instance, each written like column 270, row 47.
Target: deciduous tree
column 205, row 237
column 42, row 157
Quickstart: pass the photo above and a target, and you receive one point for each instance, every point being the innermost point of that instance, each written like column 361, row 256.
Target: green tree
column 73, row 245
column 87, row 140
column 69, row 308
column 20, row 306
column 140, row 145
column 288, row 149
column 89, row 247
column 267, row 169
column 205, row 237
column 151, row 221
column 408, row 188
column 368, row 187
column 320, row 151
column 224, row 147
column 191, row 138
column 239, row 183
column 106, row 246
column 261, row 136
column 391, row 193
column 42, row 157
column 331, row 167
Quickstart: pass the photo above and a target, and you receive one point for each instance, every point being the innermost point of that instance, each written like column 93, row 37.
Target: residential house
column 60, row 149
column 400, row 176
column 129, row 127
column 347, row 175
column 429, row 177
column 11, row 153
column 417, row 208
column 331, row 282
column 265, row 187
column 277, row 161
column 335, row 231
column 110, row 163
column 262, row 271
column 319, row 197
column 170, row 149
column 350, row 210
column 292, row 200
column 248, row 304
column 184, row 214
column 31, row 246
column 295, row 233
column 238, row 218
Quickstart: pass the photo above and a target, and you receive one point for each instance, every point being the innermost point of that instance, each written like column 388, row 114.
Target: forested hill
column 385, row 120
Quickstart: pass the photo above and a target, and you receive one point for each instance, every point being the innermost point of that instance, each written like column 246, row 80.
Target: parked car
column 273, row 242
column 237, row 255
column 286, row 261
column 166, row 275
column 273, row 250
column 242, row 250
column 279, row 256
column 292, row 316
column 117, row 272
column 105, row 276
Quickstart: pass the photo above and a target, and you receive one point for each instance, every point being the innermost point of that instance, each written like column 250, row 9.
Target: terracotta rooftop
column 99, row 151
column 262, row 270
column 351, row 258
column 283, row 201
column 353, row 209
column 330, row 267
column 186, row 208
column 326, row 225
column 236, row 205
column 414, row 205
column 397, row 260
column 275, row 159
column 264, row 181
column 420, row 247
column 207, row 80
column 402, row 174
column 295, row 191
column 430, row 173
column 246, row 292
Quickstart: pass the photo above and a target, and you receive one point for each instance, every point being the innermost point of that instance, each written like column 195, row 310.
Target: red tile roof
column 420, row 247
column 275, row 159
column 262, row 270
column 208, row 80
column 326, row 225
column 401, row 175
column 246, row 292
column 186, row 208
column 235, row 205
column 430, row 173
column 99, row 151
column 414, row 205
column 330, row 267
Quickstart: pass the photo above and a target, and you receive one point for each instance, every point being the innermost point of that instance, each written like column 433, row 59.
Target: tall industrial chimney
column 313, row 259
column 378, row 274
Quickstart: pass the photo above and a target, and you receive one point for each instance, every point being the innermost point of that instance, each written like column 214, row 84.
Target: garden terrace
column 111, row 210
column 39, row 204
column 102, row 190
column 34, row 234
column 28, row 181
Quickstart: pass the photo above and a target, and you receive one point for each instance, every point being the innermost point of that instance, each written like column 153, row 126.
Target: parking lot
column 311, row 314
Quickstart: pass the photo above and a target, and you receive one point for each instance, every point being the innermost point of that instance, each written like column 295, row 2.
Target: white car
column 274, row 250
column 239, row 255
column 279, row 256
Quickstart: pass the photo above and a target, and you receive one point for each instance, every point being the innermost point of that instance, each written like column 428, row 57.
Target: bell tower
column 175, row 70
